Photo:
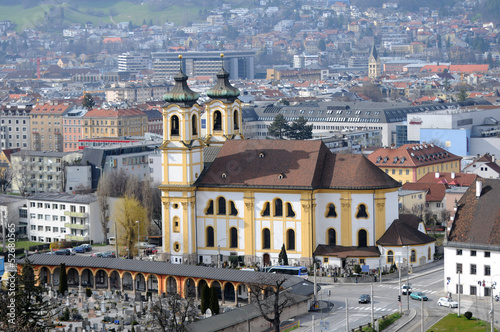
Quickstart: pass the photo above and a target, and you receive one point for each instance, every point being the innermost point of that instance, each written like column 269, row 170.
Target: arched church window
column 176, row 224
column 233, row 237
column 266, row 210
column 429, row 253
column 174, row 125
column 278, row 207
column 362, row 214
column 290, row 239
column 236, row 120
column 234, row 211
column 266, row 238
column 362, row 238
column 390, row 257
column 194, row 124
column 332, row 237
column 210, row 236
column 330, row 211
column 289, row 211
column 221, row 206
column 217, row 120
column 210, row 207
column 413, row 256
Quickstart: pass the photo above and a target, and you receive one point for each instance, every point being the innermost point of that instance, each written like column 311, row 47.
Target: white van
column 112, row 240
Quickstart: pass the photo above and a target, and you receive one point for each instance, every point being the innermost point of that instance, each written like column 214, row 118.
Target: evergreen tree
column 214, row 302
column 322, row 45
column 32, row 311
column 205, row 298
column 283, row 257
column 462, row 95
column 88, row 101
column 278, row 127
column 299, row 129
column 63, row 279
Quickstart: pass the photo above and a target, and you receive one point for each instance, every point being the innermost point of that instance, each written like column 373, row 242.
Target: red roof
column 411, row 155
column 456, row 179
column 435, row 191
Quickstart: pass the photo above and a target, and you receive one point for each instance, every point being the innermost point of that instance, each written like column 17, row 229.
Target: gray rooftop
column 62, row 197
column 7, row 199
column 163, row 268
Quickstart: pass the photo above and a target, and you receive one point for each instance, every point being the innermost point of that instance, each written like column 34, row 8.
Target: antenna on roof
column 222, row 60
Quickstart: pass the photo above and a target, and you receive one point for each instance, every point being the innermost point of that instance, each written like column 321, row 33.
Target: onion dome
column 223, row 89
column 181, row 93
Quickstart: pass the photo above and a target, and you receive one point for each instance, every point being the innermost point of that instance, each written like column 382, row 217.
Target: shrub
column 65, row 315
column 88, row 292
column 389, row 320
column 468, row 314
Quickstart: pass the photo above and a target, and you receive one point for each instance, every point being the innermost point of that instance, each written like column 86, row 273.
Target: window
column 72, row 208
column 278, row 207
column 473, row 253
column 362, row 212
column 486, row 254
column 221, row 206
column 194, row 125
column 266, row 238
column 459, row 252
column 217, row 120
column 55, row 218
column 55, row 229
column 330, row 211
column 82, row 209
column 47, row 205
column 234, row 211
column 236, row 120
column 473, row 290
column 487, row 270
column 362, row 238
column 289, row 211
column 429, row 253
column 473, row 269
column 63, row 218
column 390, row 257
column 40, row 228
column 332, row 237
column 459, row 268
column 23, row 213
column 233, row 237
column 62, row 207
column 290, row 239
column 174, row 125
column 266, row 210
column 210, row 208
column 210, row 236
column 54, row 206
column 325, row 259
column 32, row 204
column 176, row 225
column 413, row 256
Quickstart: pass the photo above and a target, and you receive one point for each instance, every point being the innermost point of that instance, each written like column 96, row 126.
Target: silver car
column 446, row 302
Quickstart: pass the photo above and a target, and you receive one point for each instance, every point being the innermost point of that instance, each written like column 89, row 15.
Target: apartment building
column 40, row 171
column 15, row 126
column 133, row 62
column 56, row 217
column 47, row 126
column 73, row 128
column 114, row 123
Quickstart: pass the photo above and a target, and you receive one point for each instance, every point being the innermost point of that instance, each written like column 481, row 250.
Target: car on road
column 108, row 254
column 447, row 302
column 87, row 247
column 418, row 296
column 364, row 298
column 406, row 289
column 80, row 249
column 62, row 252
column 71, row 251
column 96, row 254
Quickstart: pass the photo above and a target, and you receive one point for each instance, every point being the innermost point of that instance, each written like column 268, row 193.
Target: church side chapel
column 226, row 196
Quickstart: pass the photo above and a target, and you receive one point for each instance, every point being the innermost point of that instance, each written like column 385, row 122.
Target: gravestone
column 103, row 306
column 208, row 313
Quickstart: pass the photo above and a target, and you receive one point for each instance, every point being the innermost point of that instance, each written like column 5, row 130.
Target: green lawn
column 23, row 244
column 98, row 12
column 453, row 323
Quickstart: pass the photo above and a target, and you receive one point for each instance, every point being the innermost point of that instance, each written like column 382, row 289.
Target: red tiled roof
column 291, row 164
column 411, row 155
column 113, row 113
column 469, row 68
column 435, row 191
column 401, row 233
column 345, row 252
column 50, row 109
column 459, row 179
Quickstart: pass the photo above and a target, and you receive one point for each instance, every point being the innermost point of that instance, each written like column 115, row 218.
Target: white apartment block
column 56, row 217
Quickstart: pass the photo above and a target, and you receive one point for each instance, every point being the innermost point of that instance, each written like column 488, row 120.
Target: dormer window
column 281, row 176
column 224, row 175
column 261, row 155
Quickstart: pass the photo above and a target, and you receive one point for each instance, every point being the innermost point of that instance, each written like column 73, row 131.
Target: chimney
column 452, row 175
column 436, row 175
column 479, row 188
column 493, row 157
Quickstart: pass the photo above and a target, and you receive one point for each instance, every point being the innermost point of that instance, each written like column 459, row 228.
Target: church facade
column 225, row 196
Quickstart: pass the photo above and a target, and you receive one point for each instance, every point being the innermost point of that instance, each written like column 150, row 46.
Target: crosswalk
column 415, row 288
column 366, row 308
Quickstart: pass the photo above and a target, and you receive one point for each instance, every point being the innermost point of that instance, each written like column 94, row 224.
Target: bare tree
column 22, row 172
column 134, row 188
column 103, row 191
column 151, row 199
column 5, row 179
column 172, row 313
column 271, row 306
column 119, row 180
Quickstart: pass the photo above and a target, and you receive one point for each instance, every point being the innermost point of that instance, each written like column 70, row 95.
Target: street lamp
column 138, row 243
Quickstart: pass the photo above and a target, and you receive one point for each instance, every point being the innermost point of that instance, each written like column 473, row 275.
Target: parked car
column 406, row 289
column 87, row 247
column 80, row 249
column 418, row 296
column 96, row 254
column 364, row 298
column 145, row 245
column 108, row 254
column 62, row 252
column 71, row 251
column 447, row 302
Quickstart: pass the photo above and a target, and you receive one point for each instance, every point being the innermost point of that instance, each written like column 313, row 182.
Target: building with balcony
column 73, row 127
column 40, row 171
column 15, row 126
column 13, row 210
column 56, row 217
